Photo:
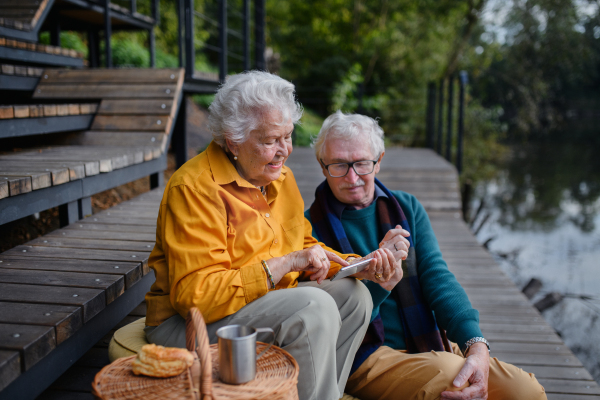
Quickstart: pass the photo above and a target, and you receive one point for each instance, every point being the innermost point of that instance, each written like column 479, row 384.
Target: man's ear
column 233, row 147
column 378, row 165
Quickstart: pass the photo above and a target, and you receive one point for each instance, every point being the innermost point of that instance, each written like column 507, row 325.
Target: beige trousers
column 394, row 374
column 322, row 326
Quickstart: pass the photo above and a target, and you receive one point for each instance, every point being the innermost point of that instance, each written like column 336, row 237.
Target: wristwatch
column 472, row 341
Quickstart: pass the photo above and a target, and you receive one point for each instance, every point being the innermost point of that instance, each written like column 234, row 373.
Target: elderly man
column 404, row 354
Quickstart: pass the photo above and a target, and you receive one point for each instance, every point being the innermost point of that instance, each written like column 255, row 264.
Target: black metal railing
column 230, row 29
column 435, row 131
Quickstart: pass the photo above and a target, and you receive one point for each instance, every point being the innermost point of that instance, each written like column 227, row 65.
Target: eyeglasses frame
column 350, row 165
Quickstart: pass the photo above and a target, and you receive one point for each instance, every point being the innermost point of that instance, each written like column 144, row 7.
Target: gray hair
column 349, row 126
column 242, row 102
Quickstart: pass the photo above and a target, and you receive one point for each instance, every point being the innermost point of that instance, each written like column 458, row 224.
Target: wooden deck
column 517, row 332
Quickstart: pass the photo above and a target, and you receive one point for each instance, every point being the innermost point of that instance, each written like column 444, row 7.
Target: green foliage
column 68, row 40
column 129, row 51
column 204, row 100
column 392, row 48
column 545, row 70
column 308, row 128
column 483, row 151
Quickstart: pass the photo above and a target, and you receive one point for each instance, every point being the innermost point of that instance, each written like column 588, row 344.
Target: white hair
column 242, row 102
column 348, row 127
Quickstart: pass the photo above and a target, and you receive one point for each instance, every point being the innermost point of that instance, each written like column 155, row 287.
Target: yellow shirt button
column 267, row 215
column 275, row 241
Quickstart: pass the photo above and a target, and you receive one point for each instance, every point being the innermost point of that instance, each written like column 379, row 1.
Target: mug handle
column 260, row 330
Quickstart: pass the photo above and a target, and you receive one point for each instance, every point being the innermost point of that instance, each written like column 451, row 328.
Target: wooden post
column 189, row 39
column 179, row 144
column 133, row 6
column 107, row 34
column 68, row 213
column 55, row 33
column 463, row 79
column 223, row 40
column 430, row 117
column 259, row 35
column 151, row 34
column 449, row 118
column 246, row 34
column 94, row 48
column 440, row 125
column 180, row 30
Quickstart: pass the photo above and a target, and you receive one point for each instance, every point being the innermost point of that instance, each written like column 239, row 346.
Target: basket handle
column 196, row 339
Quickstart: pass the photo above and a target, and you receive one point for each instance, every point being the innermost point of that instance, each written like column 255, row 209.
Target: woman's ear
column 233, row 147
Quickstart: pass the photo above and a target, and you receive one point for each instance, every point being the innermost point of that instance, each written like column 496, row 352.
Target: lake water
column 544, row 222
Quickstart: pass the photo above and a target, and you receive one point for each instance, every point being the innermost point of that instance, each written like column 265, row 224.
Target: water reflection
column 544, row 223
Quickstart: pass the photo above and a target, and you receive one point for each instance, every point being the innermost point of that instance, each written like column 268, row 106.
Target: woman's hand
column 314, row 259
column 395, row 241
column 384, row 269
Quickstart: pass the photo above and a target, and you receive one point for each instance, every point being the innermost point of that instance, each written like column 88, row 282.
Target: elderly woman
column 232, row 240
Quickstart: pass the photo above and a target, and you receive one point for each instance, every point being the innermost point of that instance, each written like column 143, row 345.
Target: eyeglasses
column 338, row 170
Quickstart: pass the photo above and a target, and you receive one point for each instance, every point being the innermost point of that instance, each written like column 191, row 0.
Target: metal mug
column 237, row 352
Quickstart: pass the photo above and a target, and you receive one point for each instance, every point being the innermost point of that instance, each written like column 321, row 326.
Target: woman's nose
column 283, row 149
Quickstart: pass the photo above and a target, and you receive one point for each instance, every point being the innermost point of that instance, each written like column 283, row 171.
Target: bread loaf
column 161, row 362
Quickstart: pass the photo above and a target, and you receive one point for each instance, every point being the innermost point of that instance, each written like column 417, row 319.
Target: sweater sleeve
column 446, row 297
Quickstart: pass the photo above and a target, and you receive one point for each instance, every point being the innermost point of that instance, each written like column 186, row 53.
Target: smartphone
column 351, row 269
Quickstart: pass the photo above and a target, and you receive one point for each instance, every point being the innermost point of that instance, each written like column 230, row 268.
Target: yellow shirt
column 213, row 229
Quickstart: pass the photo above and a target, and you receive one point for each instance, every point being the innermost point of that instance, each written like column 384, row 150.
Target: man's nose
column 351, row 176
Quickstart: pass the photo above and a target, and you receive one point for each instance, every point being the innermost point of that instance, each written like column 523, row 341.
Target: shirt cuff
column 254, row 282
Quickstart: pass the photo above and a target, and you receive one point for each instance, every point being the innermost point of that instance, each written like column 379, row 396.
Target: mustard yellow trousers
column 395, row 374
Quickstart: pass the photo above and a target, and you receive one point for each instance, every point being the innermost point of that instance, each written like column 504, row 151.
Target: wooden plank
column 546, row 372
column 91, row 167
column 80, row 243
column 58, row 175
column 131, row 271
column 570, row 386
column 32, row 342
column 4, row 188
column 21, row 111
column 559, row 360
column 76, row 169
column 149, row 221
column 17, row 184
column 39, row 180
column 113, row 285
column 530, row 348
column 92, row 301
column 137, row 106
column 92, row 164
column 91, row 234
column 104, row 91
column 148, row 139
column 113, row 227
column 154, row 123
column 66, row 320
column 6, row 112
column 81, row 254
column 99, row 76
column 10, row 367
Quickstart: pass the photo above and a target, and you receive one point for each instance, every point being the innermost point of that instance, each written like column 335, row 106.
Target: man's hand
column 395, row 241
column 476, row 371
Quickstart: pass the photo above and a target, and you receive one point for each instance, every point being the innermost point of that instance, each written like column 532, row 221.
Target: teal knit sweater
column 443, row 293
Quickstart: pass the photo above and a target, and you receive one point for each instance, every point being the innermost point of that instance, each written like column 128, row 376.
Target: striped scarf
column 421, row 333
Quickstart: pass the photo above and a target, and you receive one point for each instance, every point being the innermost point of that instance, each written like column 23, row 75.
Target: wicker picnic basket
column 276, row 375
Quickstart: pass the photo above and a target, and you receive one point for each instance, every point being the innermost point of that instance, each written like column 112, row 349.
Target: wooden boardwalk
column 517, row 332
